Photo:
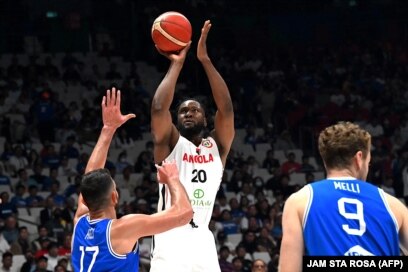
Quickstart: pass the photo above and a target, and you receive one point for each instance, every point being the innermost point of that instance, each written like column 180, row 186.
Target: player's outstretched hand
column 111, row 115
column 176, row 56
column 202, row 54
column 167, row 172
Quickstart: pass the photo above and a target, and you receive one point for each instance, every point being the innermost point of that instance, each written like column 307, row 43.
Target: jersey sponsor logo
column 358, row 251
column 207, row 143
column 90, row 234
column 198, row 158
column 198, row 200
column 198, row 193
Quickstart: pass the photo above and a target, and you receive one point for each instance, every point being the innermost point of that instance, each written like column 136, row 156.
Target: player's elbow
column 185, row 215
column 157, row 105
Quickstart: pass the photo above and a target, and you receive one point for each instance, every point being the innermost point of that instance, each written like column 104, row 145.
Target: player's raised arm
column 112, row 119
column 129, row 228
column 224, row 118
column 163, row 131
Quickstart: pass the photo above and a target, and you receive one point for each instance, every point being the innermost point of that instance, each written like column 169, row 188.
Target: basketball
column 171, row 31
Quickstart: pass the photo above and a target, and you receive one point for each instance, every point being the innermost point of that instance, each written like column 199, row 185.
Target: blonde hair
column 339, row 143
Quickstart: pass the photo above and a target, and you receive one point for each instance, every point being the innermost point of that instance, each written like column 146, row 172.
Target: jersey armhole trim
column 73, row 231
column 387, row 206
column 108, row 241
column 308, row 204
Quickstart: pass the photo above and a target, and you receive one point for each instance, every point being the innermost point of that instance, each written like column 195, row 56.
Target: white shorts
column 185, row 249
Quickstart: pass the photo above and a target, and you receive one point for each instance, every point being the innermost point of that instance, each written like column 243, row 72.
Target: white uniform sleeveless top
column 200, row 170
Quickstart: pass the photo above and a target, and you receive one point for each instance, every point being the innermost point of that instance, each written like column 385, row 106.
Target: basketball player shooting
column 200, row 161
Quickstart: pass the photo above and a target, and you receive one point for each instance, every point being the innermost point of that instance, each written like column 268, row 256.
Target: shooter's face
column 191, row 118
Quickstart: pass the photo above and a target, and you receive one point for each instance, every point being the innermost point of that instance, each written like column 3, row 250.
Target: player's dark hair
column 95, row 188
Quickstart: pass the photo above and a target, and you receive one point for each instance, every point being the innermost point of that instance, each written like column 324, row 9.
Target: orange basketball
column 171, row 31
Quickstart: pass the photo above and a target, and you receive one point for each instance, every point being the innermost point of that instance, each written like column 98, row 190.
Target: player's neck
column 195, row 139
column 337, row 173
column 102, row 214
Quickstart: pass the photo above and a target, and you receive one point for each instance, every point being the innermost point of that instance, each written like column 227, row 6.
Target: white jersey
column 191, row 247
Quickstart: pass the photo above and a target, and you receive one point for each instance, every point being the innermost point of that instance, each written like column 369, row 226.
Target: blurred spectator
column 270, row 162
column 222, row 240
column 122, row 139
column 4, row 180
column 10, row 230
column 290, row 166
column 44, row 116
column 51, row 159
column 225, row 265
column 65, row 249
column 68, row 212
column 59, row 200
column 259, row 265
column 68, row 149
column 29, row 265
column 238, row 265
column 42, row 264
column 247, row 191
column 4, row 245
column 18, row 159
column 18, row 200
column 305, row 165
column 36, row 244
column 6, row 208
column 22, row 244
column 248, row 241
column 227, row 223
column 65, row 170
column 33, row 199
column 265, row 242
column 7, row 262
column 244, row 256
column 284, row 142
column 38, row 178
column 46, row 213
column 123, row 161
column 52, row 256
column 22, row 179
column 126, row 181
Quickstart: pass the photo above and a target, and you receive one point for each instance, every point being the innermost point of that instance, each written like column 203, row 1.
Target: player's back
column 92, row 250
column 346, row 216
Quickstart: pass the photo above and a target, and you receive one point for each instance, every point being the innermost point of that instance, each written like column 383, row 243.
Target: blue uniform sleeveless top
column 349, row 217
column 92, row 250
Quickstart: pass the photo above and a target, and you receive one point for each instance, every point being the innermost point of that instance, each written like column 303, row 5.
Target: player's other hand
column 179, row 57
column 202, row 54
column 111, row 115
column 167, row 172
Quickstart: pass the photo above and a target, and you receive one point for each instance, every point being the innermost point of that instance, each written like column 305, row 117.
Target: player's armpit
column 292, row 247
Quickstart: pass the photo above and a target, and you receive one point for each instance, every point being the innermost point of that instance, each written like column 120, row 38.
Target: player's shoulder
column 397, row 206
column 299, row 198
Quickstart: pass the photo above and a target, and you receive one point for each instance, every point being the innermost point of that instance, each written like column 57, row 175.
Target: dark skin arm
column 165, row 134
column 224, row 131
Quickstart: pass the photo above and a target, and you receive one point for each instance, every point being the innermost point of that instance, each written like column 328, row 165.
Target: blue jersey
column 349, row 217
column 92, row 250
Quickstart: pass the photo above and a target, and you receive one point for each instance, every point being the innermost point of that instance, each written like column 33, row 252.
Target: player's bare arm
column 400, row 212
column 224, row 118
column 131, row 227
column 292, row 249
column 112, row 119
column 164, row 133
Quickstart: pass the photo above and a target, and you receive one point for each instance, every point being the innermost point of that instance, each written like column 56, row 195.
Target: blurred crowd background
column 292, row 67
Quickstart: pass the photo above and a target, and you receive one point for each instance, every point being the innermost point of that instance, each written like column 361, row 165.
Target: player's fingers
column 117, row 100
column 108, row 97
column 130, row 116
column 103, row 101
